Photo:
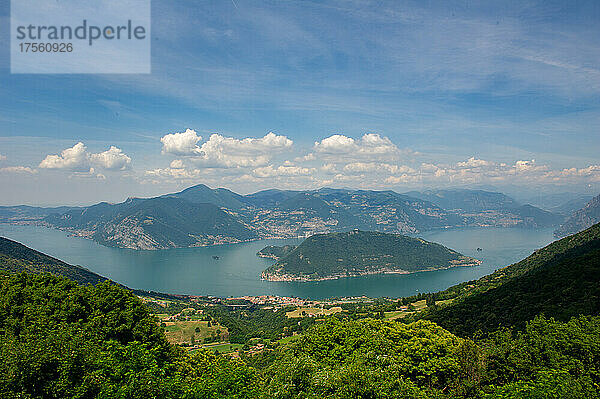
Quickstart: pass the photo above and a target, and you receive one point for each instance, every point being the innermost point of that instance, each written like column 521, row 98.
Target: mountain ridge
column 16, row 257
column 581, row 219
column 145, row 223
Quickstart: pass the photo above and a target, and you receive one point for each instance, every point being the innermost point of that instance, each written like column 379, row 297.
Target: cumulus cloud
column 329, row 168
column 476, row 170
column 308, row 157
column 271, row 171
column 174, row 173
column 335, row 144
column 369, row 146
column 473, row 163
column 377, row 167
column 225, row 152
column 372, row 161
column 177, row 164
column 185, row 143
column 75, row 159
column 111, row 159
column 589, row 171
column 18, row 169
column 78, row 159
column 404, row 178
column 524, row 165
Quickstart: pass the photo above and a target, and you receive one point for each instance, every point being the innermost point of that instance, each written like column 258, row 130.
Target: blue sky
column 364, row 94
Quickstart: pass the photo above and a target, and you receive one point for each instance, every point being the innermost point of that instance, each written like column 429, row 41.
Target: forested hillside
column 356, row 253
column 155, row 223
column 61, row 340
column 560, row 280
column 16, row 257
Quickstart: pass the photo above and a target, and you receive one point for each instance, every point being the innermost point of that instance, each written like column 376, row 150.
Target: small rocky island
column 358, row 253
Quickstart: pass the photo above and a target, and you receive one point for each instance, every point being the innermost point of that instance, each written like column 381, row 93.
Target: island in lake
column 358, row 253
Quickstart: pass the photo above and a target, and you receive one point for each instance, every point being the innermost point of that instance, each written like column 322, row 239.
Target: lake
column 237, row 271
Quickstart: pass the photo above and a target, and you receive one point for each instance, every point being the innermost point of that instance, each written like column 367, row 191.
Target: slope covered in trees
column 560, row 280
column 385, row 359
column 355, row 253
column 16, row 257
column 61, row 340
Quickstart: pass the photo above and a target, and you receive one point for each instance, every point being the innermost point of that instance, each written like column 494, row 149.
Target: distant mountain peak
column 581, row 219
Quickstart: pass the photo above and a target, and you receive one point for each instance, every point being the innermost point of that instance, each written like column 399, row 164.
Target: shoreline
column 288, row 278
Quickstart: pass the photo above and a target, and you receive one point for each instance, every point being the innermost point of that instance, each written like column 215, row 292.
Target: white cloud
column 18, row 169
column 377, row 167
column 335, row 144
column 174, row 173
column 330, row 168
column 404, row 178
column 78, row 159
column 372, row 161
column 111, row 159
column 308, row 157
column 473, row 163
column 369, row 146
column 429, row 167
column 271, row 171
column 591, row 172
column 185, row 143
column 225, row 152
column 525, row 165
column 75, row 159
column 177, row 164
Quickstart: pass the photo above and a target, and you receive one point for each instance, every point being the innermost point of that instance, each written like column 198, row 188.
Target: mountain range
column 199, row 215
column 581, row 219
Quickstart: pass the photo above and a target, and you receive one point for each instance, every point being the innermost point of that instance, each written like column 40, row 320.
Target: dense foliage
column 257, row 323
column 61, row 340
column 367, row 358
column 385, row 359
column 548, row 359
column 561, row 280
column 359, row 252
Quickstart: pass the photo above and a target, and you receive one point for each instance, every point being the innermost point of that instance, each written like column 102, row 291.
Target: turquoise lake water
column 237, row 271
